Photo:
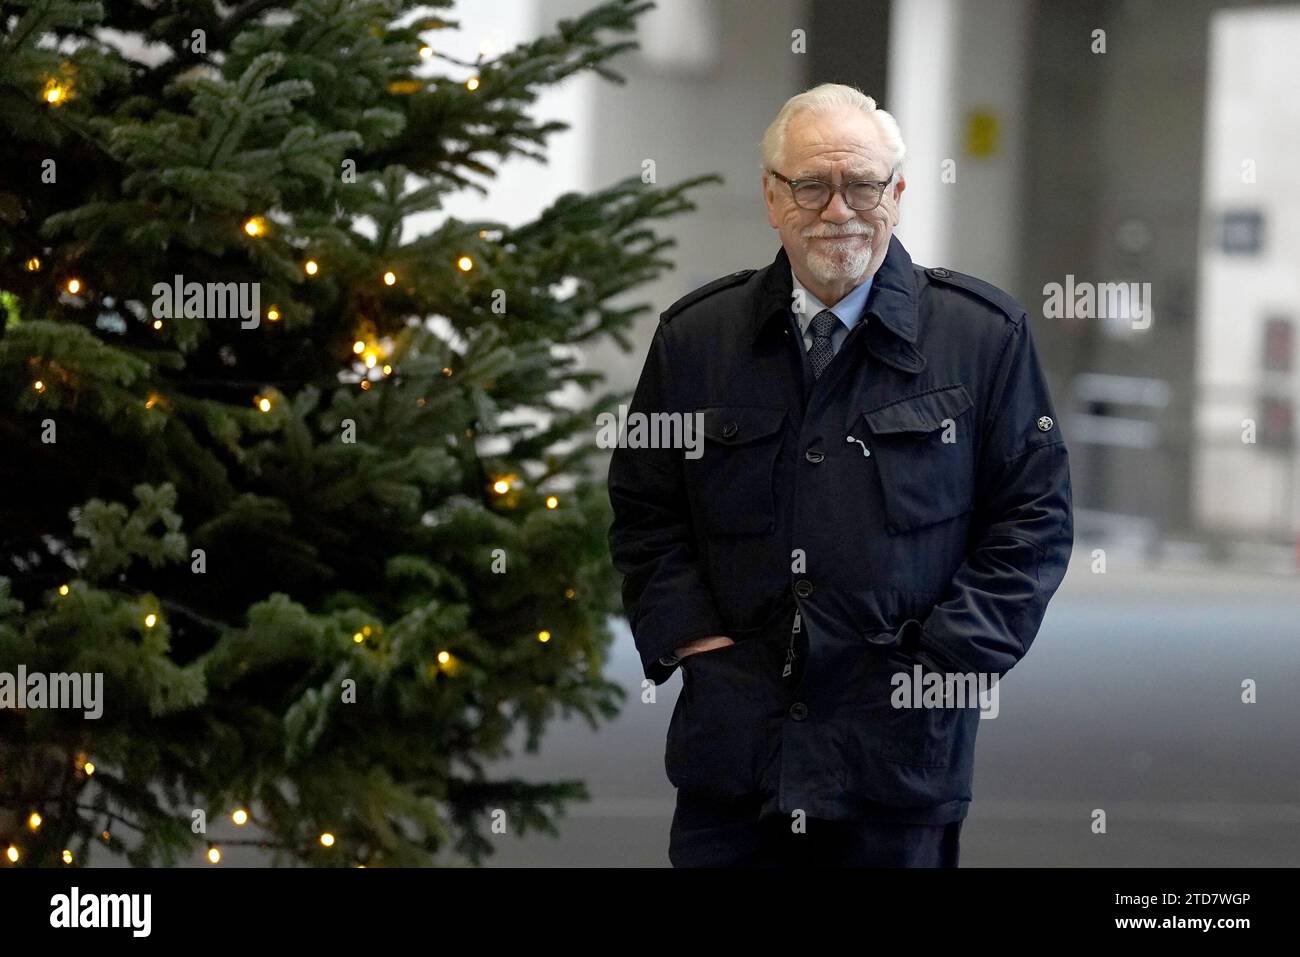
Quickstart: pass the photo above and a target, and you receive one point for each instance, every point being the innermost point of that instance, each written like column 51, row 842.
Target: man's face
column 836, row 246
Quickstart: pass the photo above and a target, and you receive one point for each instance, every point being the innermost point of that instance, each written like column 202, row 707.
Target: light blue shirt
column 850, row 310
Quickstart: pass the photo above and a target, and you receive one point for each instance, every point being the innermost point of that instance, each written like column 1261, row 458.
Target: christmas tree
column 310, row 496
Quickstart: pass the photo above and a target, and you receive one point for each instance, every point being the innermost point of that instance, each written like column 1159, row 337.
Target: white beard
column 827, row 266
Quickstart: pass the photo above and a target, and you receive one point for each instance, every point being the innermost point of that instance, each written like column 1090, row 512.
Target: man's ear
column 900, row 184
column 770, row 199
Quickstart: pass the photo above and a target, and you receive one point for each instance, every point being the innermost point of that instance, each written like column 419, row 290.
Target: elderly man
column 882, row 503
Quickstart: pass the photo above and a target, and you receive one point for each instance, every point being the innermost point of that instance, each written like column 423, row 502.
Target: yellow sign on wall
column 982, row 133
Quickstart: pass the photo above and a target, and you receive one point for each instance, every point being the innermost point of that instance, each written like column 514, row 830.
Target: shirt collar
column 849, row 309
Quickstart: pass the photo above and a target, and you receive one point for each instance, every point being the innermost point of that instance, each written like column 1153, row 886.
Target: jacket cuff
column 659, row 661
column 924, row 650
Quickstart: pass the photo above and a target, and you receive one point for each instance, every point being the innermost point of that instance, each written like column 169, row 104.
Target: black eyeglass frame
column 832, row 189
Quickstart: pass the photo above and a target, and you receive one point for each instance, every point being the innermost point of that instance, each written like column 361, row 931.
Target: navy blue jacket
column 912, row 505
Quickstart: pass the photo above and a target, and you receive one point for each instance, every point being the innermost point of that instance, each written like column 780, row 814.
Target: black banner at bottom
column 188, row 906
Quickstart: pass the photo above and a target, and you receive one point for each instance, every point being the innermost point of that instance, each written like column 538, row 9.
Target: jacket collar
column 893, row 303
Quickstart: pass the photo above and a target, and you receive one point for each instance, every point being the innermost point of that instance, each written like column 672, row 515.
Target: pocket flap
column 738, row 424
column 919, row 413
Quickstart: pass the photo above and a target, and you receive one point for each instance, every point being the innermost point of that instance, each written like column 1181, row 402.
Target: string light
column 240, row 817
column 388, row 370
column 33, row 264
column 214, row 855
column 443, row 657
column 310, row 267
column 366, row 630
column 153, row 400
column 543, row 636
column 74, row 286
column 390, row 278
column 358, row 347
column 471, row 84
column 157, row 323
column 107, row 837
column 64, row 589
column 12, row 854
column 67, row 856
column 264, row 404
column 501, row 486
column 54, row 92
column 34, row 822
column 426, row 52
column 371, row 359
column 89, row 768
column 150, row 620
column 358, row 638
column 365, row 385
column 327, row 839
column 38, row 385
column 255, row 226
column 552, row 501
column 464, row 264
column 570, row 593
column 273, row 314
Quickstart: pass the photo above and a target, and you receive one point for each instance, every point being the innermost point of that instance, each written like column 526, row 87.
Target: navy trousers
column 711, row 833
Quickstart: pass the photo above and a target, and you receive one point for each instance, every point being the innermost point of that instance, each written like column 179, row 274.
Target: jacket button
column 803, row 588
column 813, row 456
column 730, row 429
column 798, row 711
column 1045, row 423
column 940, row 272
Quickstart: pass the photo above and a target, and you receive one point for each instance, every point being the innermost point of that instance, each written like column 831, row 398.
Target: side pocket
column 924, row 449
column 715, row 736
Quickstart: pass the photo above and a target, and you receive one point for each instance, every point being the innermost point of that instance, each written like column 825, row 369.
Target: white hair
column 827, row 98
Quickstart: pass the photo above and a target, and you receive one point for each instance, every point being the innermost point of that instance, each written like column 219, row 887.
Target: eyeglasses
column 816, row 194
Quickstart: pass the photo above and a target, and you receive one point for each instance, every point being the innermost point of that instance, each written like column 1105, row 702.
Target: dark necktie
column 820, row 352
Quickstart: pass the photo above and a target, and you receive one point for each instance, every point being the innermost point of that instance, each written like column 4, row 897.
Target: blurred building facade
column 1135, row 149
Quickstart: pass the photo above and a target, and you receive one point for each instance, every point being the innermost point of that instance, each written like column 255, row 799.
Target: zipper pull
column 789, row 652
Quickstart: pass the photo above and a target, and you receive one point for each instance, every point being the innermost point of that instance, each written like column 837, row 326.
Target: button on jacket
column 911, row 505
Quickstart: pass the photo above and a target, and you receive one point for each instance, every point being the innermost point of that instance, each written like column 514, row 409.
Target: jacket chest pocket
column 732, row 481
column 924, row 449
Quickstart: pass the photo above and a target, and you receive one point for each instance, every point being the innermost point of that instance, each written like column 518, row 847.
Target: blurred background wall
column 1098, row 142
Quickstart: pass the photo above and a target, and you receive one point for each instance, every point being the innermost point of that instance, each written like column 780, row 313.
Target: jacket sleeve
column 652, row 538
column 1023, row 527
